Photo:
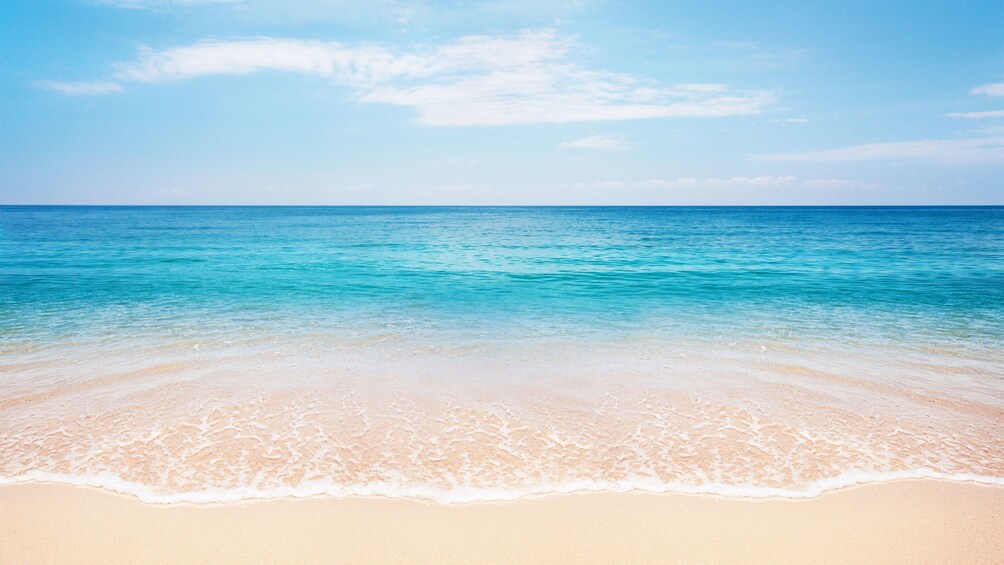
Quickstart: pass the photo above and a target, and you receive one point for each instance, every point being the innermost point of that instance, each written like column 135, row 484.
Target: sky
column 570, row 102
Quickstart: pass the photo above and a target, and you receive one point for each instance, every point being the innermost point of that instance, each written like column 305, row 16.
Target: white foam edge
column 462, row 495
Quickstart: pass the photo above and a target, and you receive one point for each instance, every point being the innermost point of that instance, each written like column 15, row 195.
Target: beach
column 562, row 385
column 500, row 281
column 918, row 521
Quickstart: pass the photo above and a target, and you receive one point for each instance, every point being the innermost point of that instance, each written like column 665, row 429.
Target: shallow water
column 488, row 353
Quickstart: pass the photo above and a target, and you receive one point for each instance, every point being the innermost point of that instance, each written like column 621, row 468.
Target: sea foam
column 149, row 495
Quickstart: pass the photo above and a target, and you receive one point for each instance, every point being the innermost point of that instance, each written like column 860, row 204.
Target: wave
column 468, row 495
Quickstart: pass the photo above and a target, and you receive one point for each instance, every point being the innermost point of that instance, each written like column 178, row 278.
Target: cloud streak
column 80, row 88
column 529, row 77
column 958, row 151
column 995, row 89
column 604, row 142
column 977, row 115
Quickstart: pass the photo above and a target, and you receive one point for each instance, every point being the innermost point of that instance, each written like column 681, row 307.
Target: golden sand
column 920, row 521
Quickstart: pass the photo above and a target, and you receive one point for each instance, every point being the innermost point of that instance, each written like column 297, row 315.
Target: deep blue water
column 918, row 276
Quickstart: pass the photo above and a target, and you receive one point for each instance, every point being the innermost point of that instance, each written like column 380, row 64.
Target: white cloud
column 80, row 88
column 715, row 182
column 606, row 142
column 792, row 121
column 977, row 115
column 995, row 89
column 317, row 58
column 983, row 150
column 552, row 94
column 734, row 181
column 530, row 77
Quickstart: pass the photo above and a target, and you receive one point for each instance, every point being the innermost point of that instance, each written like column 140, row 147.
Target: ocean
column 464, row 354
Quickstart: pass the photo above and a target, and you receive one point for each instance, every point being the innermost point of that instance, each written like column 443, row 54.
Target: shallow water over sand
column 223, row 422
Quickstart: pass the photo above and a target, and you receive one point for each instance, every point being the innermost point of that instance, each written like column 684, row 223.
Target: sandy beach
column 920, row 521
column 500, row 281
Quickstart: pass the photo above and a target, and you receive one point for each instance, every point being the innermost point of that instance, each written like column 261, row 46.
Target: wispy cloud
column 529, row 77
column 716, row 182
column 994, row 89
column 80, row 88
column 605, row 142
column 982, row 150
column 977, row 115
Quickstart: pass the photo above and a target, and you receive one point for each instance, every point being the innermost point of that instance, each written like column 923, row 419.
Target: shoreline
column 906, row 520
column 816, row 489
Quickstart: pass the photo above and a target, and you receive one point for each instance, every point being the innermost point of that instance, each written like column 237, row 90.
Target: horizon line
column 501, row 205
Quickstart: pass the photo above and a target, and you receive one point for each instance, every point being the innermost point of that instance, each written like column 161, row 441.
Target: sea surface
column 209, row 354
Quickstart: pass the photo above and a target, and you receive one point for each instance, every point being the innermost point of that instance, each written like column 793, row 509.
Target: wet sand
column 912, row 521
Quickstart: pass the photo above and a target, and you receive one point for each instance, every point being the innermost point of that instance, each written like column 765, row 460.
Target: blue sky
column 566, row 102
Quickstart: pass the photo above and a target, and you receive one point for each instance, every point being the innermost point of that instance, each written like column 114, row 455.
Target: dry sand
column 921, row 521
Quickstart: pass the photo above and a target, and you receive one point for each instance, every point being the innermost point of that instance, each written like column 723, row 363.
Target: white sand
column 902, row 522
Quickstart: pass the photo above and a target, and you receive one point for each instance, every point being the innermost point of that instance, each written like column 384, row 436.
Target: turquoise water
column 919, row 275
column 221, row 353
